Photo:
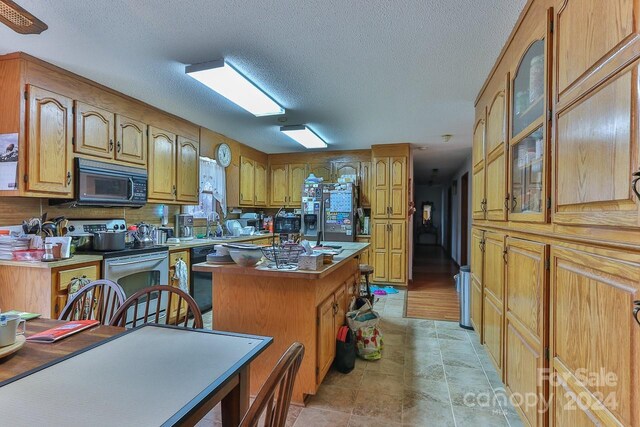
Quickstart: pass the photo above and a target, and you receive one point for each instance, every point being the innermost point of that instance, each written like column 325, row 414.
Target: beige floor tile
column 460, row 375
column 395, row 352
column 421, row 388
column 292, row 415
column 383, row 407
column 393, row 339
column 441, row 324
column 383, row 384
column 310, row 417
column 478, row 417
column 387, row 365
column 333, row 398
column 464, row 360
column 358, row 421
column 422, row 358
column 452, row 334
column 419, row 412
column 353, row 379
column 474, row 396
column 434, row 372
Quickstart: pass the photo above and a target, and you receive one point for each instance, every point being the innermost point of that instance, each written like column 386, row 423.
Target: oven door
column 136, row 272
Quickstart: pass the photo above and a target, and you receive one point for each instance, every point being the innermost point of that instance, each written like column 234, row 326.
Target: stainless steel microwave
column 106, row 184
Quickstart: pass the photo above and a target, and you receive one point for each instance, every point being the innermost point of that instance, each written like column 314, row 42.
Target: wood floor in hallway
column 432, row 294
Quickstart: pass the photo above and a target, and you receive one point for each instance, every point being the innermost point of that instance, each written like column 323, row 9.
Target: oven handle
column 117, row 264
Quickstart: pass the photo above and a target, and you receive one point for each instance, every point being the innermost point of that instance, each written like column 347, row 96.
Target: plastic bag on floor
column 369, row 343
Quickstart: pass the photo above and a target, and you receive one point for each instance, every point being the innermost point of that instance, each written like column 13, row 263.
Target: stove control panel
column 95, row 225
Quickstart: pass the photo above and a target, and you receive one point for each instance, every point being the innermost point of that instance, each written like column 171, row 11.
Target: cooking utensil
column 109, row 240
column 82, row 242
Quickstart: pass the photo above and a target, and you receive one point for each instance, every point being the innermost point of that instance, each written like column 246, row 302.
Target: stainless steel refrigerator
column 339, row 212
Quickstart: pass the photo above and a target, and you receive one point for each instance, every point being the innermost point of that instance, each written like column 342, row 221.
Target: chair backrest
column 274, row 397
column 98, row 300
column 180, row 308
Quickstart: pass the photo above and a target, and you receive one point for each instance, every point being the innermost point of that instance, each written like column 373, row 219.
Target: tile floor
column 432, row 373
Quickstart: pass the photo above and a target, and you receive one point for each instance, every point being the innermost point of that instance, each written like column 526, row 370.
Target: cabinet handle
column 506, row 203
column 111, row 145
column 482, row 245
column 175, row 192
column 514, row 203
column 118, row 147
column 68, row 178
column 505, row 256
column 636, row 311
column 634, row 184
column 483, row 205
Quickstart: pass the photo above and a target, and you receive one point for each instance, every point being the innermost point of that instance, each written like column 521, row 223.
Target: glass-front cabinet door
column 528, row 145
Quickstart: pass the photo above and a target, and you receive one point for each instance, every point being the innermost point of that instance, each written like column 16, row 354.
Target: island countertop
column 349, row 250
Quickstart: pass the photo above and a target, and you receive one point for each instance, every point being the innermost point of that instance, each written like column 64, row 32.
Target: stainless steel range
column 132, row 268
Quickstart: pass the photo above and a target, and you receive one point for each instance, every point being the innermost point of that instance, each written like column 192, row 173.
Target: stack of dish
column 220, row 256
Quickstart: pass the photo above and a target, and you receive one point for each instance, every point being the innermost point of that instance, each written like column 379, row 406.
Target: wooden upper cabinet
column 596, row 155
column 478, row 185
column 49, row 152
column 365, row 184
column 94, row 131
column 397, row 187
column 321, row 170
column 297, row 175
column 187, row 171
column 596, row 341
column 495, row 160
column 247, row 181
column 260, row 172
column 345, row 168
column 131, row 140
column 162, row 160
column 279, row 185
column 589, row 33
column 380, row 187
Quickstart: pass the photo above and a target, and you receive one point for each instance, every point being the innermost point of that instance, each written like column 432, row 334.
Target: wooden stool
column 366, row 270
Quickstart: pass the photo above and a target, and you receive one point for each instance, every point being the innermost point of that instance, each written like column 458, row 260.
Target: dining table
column 151, row 375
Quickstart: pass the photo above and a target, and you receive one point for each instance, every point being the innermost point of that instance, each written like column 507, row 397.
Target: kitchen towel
column 181, row 274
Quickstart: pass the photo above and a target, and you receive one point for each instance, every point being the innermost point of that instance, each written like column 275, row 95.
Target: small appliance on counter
column 184, row 227
column 251, row 219
column 287, row 224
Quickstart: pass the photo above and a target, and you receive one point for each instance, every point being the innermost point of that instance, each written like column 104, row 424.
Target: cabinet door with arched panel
column 496, row 158
column 478, row 196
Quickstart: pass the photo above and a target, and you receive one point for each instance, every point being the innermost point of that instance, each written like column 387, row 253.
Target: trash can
column 463, row 286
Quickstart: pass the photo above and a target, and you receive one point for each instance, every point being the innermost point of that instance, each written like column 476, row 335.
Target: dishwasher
column 200, row 286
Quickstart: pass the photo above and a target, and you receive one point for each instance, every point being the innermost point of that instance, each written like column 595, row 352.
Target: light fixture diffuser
column 303, row 136
column 227, row 81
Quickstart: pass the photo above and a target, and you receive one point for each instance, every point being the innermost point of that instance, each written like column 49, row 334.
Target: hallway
column 432, row 293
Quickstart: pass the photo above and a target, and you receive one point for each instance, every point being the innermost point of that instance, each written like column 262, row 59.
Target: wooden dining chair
column 181, row 308
column 97, row 300
column 274, row 397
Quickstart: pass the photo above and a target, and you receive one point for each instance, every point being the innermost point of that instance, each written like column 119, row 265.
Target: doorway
column 464, row 217
column 449, row 218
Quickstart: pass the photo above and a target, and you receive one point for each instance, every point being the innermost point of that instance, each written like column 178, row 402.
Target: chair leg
column 369, row 294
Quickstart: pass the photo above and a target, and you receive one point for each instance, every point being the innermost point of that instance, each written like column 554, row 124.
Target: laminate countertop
column 349, row 251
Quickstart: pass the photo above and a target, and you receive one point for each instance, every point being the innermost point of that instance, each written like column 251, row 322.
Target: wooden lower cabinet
column 389, row 242
column 526, row 327
column 61, row 279
column 365, row 257
column 595, row 341
column 493, row 293
column 476, row 308
column 173, row 281
column 331, row 314
column 477, row 261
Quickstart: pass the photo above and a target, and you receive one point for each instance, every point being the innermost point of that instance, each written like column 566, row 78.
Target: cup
column 9, row 328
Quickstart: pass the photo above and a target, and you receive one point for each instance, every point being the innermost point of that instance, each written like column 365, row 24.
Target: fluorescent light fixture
column 304, row 136
column 230, row 83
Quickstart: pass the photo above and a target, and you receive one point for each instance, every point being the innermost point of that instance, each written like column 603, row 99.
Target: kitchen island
column 303, row 306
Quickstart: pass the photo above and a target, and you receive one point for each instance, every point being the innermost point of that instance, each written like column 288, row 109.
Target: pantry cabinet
column 389, row 251
column 131, row 141
column 162, row 172
column 477, row 263
column 365, row 256
column 49, row 153
column 527, row 310
column 187, row 167
column 478, row 200
column 493, row 293
column 389, row 184
column 595, row 341
column 94, row 131
column 496, row 159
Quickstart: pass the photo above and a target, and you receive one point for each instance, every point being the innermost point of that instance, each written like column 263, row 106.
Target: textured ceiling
column 358, row 72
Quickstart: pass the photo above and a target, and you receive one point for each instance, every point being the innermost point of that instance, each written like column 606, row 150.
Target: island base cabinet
column 305, row 310
column 595, row 344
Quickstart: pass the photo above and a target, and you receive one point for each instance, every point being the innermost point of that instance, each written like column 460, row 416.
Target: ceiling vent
column 19, row 20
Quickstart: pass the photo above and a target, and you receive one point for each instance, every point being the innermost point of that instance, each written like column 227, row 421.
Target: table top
column 33, row 355
column 349, row 250
column 155, row 374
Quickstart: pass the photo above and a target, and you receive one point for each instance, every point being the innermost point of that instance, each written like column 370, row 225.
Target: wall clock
column 223, row 155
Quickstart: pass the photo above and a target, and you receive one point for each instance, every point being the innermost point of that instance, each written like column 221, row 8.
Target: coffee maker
column 184, row 226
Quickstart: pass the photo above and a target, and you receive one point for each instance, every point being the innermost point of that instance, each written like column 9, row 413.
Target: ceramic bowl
column 246, row 257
